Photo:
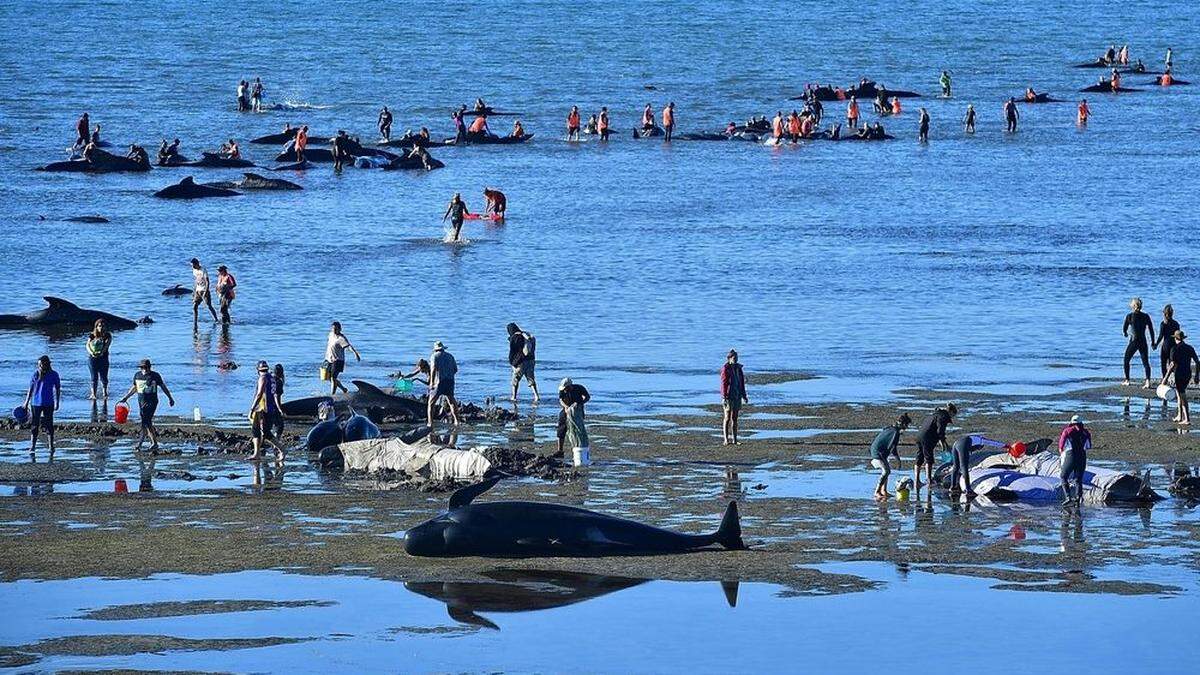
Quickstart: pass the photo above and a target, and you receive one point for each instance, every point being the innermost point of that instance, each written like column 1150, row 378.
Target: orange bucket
column 121, row 413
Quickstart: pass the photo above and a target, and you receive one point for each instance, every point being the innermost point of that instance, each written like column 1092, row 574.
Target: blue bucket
column 21, row 415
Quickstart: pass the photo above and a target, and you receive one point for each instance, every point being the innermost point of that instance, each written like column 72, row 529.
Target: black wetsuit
column 1011, row 115
column 1183, row 355
column 1073, row 462
column 933, row 431
column 1139, row 322
column 1166, row 333
column 923, row 134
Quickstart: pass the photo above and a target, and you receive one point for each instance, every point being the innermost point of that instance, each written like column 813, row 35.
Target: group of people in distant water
column 250, row 95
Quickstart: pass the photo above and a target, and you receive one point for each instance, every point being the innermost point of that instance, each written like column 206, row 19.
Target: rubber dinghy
column 1034, row 477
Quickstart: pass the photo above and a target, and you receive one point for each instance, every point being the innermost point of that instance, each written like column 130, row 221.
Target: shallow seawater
column 975, row 260
column 517, row 621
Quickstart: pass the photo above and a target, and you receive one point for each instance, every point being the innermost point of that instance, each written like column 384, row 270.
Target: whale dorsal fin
column 465, row 496
column 465, row 615
column 367, row 387
column 59, row 303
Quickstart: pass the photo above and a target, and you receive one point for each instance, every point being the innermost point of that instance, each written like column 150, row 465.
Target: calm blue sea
column 968, row 262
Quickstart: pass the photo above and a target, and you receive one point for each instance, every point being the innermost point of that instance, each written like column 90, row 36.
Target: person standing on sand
column 1183, row 357
column 456, row 211
column 1073, row 444
column 225, row 291
column 569, row 393
column 98, row 344
column 200, row 291
column 522, row 356
column 668, row 120
column 733, row 395
column 336, row 345
column 43, row 398
column 265, row 407
column 442, row 369
column 146, row 384
column 929, row 438
column 1137, row 323
column 885, row 446
column 1166, row 338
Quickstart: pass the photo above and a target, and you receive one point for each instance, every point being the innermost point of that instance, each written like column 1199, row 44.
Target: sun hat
column 566, row 382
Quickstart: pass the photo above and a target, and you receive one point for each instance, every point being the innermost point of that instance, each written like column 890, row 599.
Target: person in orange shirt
column 1115, row 81
column 668, row 120
column 479, row 126
column 852, row 113
column 895, row 105
column 777, row 127
column 301, row 142
column 793, row 123
column 573, row 124
column 1084, row 113
column 1167, row 79
column 806, row 126
column 602, row 124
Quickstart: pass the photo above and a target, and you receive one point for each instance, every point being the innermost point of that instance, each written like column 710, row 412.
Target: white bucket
column 1166, row 392
column 196, row 414
column 582, row 456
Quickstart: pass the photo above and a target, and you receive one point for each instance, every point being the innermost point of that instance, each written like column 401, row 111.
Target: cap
column 566, row 382
column 438, row 346
column 263, row 367
column 1180, row 335
column 1076, row 420
column 144, row 363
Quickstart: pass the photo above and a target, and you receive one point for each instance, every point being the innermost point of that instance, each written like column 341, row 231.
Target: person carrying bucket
column 571, row 420
column 146, row 383
column 42, row 399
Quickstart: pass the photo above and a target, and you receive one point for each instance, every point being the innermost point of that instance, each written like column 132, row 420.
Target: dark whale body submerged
column 535, row 529
column 61, row 313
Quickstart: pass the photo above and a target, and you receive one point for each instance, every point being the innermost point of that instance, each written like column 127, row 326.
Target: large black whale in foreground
column 61, row 313
column 535, row 529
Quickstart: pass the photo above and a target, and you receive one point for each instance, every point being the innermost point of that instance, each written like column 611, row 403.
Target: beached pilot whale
column 190, row 189
column 61, row 313
column 213, row 160
column 367, row 399
column 100, row 162
column 506, row 591
column 177, row 290
column 535, row 529
column 253, row 181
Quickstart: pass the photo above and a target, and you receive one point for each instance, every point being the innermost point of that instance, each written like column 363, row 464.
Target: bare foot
column 1125, row 383
column 1147, row 385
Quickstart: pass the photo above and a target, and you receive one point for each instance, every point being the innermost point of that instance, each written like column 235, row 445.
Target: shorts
column 882, row 465
column 443, row 388
column 523, row 370
column 336, row 368
column 43, row 416
column 147, row 406
column 262, row 425
column 733, row 405
column 201, row 295
column 925, row 452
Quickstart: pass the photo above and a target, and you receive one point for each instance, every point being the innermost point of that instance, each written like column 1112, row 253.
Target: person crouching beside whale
column 961, row 451
column 885, row 446
column 43, row 398
column 146, row 383
column 442, row 369
column 1073, row 444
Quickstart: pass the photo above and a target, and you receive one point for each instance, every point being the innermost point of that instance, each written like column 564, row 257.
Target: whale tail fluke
column 729, row 534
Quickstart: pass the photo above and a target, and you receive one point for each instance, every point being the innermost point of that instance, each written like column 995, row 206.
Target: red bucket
column 120, row 486
column 121, row 413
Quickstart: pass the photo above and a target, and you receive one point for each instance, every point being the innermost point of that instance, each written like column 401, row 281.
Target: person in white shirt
column 201, row 292
column 335, row 356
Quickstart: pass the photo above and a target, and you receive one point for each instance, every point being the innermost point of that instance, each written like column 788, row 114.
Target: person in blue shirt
column 885, row 445
column 42, row 399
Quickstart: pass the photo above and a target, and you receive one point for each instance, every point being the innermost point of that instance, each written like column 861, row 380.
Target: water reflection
column 521, row 591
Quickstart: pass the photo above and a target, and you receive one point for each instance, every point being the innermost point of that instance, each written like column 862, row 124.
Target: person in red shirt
column 733, row 395
column 301, row 142
column 573, row 124
column 852, row 113
column 497, row 203
column 1084, row 113
column 602, row 123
